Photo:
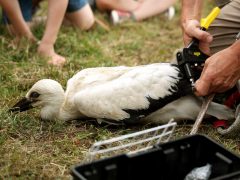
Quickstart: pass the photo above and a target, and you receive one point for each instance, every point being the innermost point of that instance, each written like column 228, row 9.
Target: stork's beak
column 23, row 105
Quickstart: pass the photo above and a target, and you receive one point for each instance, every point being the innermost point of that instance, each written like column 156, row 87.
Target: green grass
column 33, row 149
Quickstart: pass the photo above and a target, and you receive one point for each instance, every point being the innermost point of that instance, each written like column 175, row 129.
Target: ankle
column 45, row 49
column 26, row 34
column 132, row 16
column 118, row 17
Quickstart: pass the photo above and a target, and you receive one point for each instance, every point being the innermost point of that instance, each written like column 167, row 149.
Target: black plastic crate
column 168, row 161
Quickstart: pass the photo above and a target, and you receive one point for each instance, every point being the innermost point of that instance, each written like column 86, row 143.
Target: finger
column 201, row 35
column 186, row 39
column 204, row 47
column 194, row 30
column 202, row 88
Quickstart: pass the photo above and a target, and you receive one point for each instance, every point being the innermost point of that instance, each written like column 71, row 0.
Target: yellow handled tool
column 205, row 22
column 191, row 57
column 189, row 61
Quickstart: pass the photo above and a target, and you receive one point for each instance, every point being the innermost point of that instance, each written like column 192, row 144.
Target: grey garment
column 221, row 3
column 224, row 30
column 226, row 26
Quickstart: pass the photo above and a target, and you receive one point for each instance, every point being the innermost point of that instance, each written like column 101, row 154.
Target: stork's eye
column 34, row 95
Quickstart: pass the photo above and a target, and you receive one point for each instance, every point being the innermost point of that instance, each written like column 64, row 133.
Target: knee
column 82, row 19
column 88, row 23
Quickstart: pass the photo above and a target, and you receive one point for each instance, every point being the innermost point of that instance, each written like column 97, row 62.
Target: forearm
column 191, row 9
column 56, row 12
column 235, row 47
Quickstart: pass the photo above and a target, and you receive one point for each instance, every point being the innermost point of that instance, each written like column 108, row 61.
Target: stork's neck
column 51, row 110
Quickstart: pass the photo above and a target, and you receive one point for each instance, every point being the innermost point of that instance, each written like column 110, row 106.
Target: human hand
column 191, row 29
column 220, row 73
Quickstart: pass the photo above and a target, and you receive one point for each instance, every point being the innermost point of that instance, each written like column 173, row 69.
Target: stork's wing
column 133, row 91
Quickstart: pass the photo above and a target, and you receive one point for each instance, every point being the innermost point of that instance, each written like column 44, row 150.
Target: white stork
column 120, row 95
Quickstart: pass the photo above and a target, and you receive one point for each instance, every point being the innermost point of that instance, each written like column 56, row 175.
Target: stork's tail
column 234, row 129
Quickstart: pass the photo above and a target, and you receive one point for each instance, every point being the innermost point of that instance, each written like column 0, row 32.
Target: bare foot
column 48, row 51
column 57, row 60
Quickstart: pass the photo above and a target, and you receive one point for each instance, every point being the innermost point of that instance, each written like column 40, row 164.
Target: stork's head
column 46, row 94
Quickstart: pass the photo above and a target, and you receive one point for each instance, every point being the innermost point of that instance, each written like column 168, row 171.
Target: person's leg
column 56, row 12
column 151, row 8
column 16, row 18
column 226, row 26
column 80, row 14
column 121, row 5
column 142, row 10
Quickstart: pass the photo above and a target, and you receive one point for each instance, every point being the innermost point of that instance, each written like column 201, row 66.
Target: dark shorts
column 27, row 9
column 75, row 5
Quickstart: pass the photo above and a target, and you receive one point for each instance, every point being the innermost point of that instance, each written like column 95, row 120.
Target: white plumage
column 152, row 93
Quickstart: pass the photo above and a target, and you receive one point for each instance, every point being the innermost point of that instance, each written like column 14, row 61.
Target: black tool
column 191, row 59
